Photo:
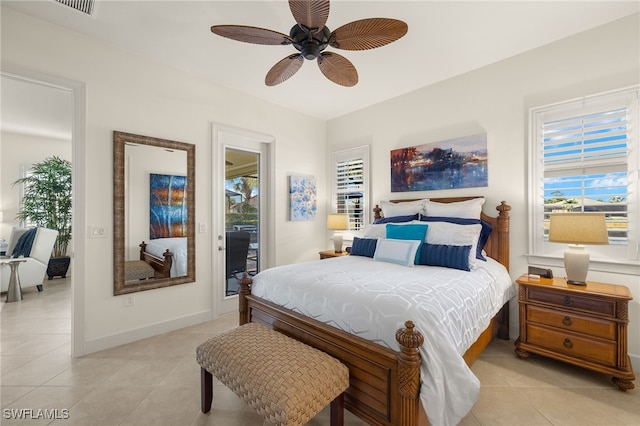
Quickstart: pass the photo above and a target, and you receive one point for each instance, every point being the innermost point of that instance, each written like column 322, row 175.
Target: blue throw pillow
column 363, row 247
column 396, row 219
column 409, row 231
column 456, row 257
column 484, row 233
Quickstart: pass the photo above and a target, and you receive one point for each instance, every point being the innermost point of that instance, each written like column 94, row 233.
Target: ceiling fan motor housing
column 310, row 42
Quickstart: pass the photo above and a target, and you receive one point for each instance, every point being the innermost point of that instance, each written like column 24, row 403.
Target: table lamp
column 577, row 229
column 337, row 222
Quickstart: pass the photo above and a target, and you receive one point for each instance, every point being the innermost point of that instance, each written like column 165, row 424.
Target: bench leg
column 337, row 411
column 206, row 390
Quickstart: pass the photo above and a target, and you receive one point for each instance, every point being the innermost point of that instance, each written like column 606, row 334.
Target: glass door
column 242, row 216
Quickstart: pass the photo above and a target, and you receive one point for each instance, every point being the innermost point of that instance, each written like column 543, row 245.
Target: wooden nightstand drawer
column 572, row 344
column 570, row 321
column 563, row 300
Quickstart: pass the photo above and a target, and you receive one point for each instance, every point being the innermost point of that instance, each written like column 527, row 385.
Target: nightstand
column 582, row 325
column 331, row 253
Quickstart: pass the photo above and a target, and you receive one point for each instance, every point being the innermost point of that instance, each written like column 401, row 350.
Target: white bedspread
column 373, row 299
column 177, row 246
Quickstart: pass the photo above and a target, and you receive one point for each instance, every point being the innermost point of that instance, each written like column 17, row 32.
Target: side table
column 14, row 291
column 326, row 254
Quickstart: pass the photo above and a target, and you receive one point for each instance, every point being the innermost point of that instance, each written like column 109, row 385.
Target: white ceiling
column 445, row 39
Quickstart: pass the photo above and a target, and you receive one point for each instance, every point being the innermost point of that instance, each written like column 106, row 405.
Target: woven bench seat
column 137, row 270
column 285, row 381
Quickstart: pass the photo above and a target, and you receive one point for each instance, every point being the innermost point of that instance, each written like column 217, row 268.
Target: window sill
column 625, row 268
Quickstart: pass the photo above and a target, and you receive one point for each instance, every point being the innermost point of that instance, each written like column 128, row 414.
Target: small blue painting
column 302, row 198
column 450, row 164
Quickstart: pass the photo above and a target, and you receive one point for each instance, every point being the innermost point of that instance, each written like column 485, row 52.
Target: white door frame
column 235, row 138
column 78, row 170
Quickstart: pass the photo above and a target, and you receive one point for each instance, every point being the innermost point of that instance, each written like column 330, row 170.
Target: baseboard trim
column 128, row 336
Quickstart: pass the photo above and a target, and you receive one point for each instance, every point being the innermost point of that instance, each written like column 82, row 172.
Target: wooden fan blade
column 338, row 69
column 310, row 13
column 284, row 69
column 251, row 34
column 367, row 33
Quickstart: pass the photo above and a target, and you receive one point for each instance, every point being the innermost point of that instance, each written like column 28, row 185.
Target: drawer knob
column 567, row 343
column 567, row 301
column 566, row 321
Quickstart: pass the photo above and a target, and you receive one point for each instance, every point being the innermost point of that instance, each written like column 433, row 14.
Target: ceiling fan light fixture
column 311, row 37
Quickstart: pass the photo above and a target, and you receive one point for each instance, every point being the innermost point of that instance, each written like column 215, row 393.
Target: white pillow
column 453, row 234
column 402, row 252
column 374, row 231
column 469, row 209
column 390, row 209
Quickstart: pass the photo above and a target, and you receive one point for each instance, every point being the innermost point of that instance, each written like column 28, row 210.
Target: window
column 584, row 158
column 351, row 183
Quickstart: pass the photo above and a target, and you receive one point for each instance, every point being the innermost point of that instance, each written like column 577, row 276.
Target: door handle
column 220, row 248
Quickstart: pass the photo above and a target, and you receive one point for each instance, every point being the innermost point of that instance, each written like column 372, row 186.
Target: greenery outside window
column 584, row 158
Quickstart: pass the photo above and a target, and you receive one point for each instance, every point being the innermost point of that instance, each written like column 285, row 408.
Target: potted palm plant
column 47, row 203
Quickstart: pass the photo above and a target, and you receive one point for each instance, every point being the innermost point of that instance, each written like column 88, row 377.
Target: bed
column 386, row 380
column 167, row 256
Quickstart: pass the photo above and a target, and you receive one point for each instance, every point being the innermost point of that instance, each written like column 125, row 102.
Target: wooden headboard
column 498, row 245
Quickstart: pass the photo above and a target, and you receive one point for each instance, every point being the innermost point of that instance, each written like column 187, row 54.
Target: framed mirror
column 153, row 213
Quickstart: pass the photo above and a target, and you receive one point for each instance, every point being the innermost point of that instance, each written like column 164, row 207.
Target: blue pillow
column 484, row 233
column 456, row 257
column 410, row 231
column 396, row 219
column 363, row 247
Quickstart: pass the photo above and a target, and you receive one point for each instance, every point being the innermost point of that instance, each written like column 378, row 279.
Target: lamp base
column 337, row 242
column 576, row 264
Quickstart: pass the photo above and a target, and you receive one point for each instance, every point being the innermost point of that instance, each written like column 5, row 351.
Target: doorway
column 63, row 104
column 242, row 216
column 241, row 209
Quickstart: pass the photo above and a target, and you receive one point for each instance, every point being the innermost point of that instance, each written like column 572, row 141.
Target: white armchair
column 33, row 271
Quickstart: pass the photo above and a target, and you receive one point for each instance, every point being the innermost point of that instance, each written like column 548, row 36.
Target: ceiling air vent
column 84, row 6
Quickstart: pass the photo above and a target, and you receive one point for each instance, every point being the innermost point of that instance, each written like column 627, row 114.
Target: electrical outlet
column 129, row 300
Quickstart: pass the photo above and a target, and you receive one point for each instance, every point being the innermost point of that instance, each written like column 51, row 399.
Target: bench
column 137, row 270
column 284, row 380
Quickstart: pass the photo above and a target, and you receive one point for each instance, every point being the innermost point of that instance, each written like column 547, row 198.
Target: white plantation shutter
column 584, row 158
column 351, row 185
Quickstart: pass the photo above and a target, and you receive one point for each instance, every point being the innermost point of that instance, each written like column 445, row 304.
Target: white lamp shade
column 338, row 221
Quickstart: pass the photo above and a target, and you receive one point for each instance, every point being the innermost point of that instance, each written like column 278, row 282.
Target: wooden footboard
column 384, row 384
column 162, row 267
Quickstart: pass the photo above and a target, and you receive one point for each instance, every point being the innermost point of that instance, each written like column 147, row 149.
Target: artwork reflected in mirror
column 154, row 204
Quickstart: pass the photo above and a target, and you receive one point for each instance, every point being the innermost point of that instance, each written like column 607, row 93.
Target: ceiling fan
column 311, row 37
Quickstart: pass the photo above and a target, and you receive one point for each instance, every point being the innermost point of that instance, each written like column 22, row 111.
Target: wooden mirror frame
column 119, row 284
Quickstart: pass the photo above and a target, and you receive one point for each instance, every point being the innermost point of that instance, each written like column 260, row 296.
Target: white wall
column 128, row 93
column 496, row 99
column 19, row 150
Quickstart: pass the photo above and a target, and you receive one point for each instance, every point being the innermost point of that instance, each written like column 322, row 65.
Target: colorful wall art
column 302, row 197
column 450, row 164
column 167, row 206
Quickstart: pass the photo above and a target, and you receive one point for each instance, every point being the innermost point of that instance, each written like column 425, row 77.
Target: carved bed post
column 503, row 233
column 409, row 361
column 245, row 290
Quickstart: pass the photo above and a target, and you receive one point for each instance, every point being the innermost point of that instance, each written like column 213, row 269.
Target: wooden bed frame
column 384, row 384
column 162, row 267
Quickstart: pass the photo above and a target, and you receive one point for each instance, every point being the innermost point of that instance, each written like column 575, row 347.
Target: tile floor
column 156, row 381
